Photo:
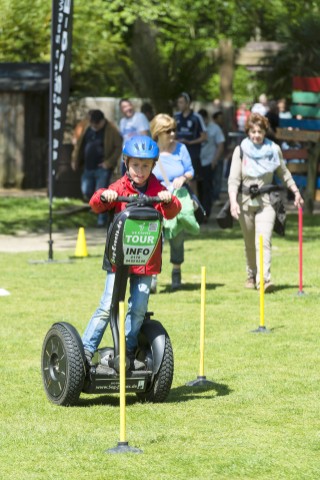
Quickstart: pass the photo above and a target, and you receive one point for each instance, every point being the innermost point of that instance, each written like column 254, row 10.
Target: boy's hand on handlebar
column 165, row 196
column 108, row 196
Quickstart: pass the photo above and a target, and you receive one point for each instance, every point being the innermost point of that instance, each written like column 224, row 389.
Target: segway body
column 132, row 238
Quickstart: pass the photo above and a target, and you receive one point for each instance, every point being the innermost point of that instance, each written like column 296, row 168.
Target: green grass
column 32, row 214
column 260, row 420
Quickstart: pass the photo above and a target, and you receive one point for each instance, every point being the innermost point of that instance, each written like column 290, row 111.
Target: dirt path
column 67, row 239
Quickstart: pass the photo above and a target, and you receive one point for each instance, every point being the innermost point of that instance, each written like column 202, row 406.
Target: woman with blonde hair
column 173, row 169
column 253, row 166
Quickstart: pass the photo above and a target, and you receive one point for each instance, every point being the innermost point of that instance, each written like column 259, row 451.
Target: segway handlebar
column 141, row 200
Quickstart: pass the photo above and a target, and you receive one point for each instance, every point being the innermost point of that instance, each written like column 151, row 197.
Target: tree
column 147, row 47
column 25, row 31
column 300, row 56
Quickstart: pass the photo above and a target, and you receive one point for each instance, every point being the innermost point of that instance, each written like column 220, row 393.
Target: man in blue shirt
column 211, row 157
column 131, row 124
column 191, row 131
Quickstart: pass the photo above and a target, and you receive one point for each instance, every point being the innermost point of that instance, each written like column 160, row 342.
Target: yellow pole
column 122, row 374
column 261, row 282
column 202, row 319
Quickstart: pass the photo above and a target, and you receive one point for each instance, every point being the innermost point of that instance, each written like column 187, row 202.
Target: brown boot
column 250, row 283
column 269, row 287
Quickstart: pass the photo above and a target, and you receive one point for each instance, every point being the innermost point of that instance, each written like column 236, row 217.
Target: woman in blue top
column 173, row 169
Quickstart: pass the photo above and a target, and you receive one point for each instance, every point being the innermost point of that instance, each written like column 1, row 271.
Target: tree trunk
column 226, row 70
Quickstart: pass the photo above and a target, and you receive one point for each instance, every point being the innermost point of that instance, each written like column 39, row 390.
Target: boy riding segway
column 133, row 250
column 140, row 154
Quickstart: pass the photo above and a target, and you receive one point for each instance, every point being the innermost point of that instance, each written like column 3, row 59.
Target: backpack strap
column 241, row 157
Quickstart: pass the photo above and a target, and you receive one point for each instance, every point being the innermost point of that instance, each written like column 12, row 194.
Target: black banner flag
column 61, row 38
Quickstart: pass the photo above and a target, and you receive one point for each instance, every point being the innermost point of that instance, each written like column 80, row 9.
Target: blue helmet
column 141, row 146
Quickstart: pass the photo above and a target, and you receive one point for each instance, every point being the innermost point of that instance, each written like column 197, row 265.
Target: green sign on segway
column 140, row 238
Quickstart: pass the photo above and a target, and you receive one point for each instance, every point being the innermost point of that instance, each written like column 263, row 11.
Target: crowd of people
column 98, row 142
column 170, row 156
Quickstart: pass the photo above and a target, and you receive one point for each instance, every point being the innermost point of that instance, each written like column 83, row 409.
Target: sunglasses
column 171, row 130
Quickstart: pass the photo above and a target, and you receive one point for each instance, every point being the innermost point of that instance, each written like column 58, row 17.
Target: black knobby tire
column 160, row 387
column 62, row 366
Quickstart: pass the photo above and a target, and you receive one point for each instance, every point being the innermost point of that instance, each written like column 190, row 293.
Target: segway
column 132, row 239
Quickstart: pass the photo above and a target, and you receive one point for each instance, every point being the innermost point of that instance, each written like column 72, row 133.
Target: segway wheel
column 161, row 384
column 63, row 365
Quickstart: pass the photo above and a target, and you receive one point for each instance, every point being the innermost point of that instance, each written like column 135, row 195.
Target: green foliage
column 247, row 86
column 95, row 51
column 300, row 56
column 213, row 87
column 155, row 49
column 257, row 421
column 25, row 31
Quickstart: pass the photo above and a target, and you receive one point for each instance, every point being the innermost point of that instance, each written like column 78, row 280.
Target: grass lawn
column 260, row 420
column 31, row 214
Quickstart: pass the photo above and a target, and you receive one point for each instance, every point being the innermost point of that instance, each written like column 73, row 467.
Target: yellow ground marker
column 123, row 445
column 201, row 379
column 262, row 328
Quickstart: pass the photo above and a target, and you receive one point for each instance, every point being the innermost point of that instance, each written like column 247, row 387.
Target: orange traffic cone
column 81, row 247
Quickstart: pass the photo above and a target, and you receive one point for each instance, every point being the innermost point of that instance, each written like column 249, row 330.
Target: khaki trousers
column 256, row 221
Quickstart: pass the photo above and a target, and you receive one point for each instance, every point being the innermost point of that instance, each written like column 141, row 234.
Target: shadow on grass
column 285, row 286
column 177, row 395
column 108, row 400
column 277, row 328
column 185, row 394
column 188, row 287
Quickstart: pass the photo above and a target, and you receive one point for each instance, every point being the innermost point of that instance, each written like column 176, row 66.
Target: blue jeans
column 91, row 181
column 137, row 308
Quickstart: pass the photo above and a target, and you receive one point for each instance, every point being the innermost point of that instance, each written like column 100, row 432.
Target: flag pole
column 60, row 60
column 50, row 162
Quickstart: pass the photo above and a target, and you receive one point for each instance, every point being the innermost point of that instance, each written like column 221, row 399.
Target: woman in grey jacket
column 254, row 163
